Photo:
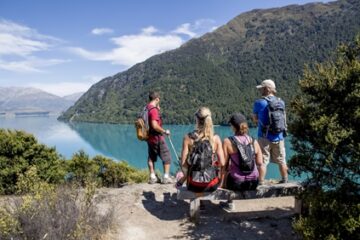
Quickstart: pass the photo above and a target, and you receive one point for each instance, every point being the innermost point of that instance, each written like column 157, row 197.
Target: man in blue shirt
column 272, row 144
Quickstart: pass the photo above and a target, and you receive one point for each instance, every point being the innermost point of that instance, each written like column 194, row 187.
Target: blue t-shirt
column 260, row 109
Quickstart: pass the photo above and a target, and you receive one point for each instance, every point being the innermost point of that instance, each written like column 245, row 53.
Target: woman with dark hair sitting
column 243, row 158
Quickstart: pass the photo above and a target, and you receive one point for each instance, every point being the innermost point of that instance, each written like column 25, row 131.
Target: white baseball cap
column 267, row 83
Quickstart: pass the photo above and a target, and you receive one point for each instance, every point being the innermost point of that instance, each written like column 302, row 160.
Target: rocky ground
column 143, row 211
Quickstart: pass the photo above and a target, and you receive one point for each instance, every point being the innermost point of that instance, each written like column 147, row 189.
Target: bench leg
column 194, row 209
column 298, row 206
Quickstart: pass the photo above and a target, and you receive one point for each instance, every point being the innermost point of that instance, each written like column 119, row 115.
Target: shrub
column 104, row 171
column 115, row 174
column 81, row 168
column 49, row 212
column 18, row 152
column 326, row 140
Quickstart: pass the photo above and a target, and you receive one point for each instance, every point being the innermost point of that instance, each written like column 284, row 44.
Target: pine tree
column 327, row 143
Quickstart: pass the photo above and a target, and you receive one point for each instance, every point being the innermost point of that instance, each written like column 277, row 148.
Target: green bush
column 105, row 171
column 115, row 174
column 326, row 138
column 18, row 152
column 81, row 168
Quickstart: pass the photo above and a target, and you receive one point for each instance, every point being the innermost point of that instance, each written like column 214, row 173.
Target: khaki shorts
column 272, row 151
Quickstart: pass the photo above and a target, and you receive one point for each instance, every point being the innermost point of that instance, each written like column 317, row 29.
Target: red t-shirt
column 154, row 114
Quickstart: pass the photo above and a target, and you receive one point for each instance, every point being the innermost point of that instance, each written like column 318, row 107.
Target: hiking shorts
column 272, row 151
column 160, row 149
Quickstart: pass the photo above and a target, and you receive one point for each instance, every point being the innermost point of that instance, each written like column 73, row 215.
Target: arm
column 224, row 169
column 154, row 117
column 255, row 118
column 156, row 126
column 226, row 146
column 185, row 151
column 219, row 150
column 258, row 154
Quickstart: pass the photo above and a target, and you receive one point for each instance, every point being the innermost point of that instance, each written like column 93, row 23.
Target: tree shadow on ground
column 216, row 223
column 168, row 208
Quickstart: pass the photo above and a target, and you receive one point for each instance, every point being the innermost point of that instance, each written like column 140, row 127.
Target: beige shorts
column 272, row 151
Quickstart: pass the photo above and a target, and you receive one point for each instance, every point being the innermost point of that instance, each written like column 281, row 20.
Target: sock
column 166, row 175
column 152, row 175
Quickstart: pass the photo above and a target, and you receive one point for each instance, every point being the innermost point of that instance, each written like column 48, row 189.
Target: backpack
column 246, row 163
column 277, row 115
column 142, row 124
column 202, row 175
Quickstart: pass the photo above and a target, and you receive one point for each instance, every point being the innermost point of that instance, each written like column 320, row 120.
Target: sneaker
column 167, row 180
column 153, row 180
column 283, row 181
column 178, row 184
column 261, row 183
column 227, row 206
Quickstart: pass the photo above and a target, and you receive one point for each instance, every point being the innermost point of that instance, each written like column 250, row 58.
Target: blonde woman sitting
column 200, row 150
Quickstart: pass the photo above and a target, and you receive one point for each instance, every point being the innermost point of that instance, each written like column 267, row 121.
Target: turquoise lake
column 116, row 141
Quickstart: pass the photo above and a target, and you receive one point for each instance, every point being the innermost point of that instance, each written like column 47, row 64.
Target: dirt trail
column 144, row 211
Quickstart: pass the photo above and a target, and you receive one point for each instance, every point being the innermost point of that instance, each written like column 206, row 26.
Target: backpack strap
column 239, row 145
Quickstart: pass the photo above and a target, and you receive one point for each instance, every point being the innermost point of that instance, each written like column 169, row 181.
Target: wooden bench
column 263, row 191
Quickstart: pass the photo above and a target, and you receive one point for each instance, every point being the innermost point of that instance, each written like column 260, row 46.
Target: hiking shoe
column 167, row 180
column 178, row 184
column 227, row 206
column 261, row 183
column 153, row 180
column 283, row 181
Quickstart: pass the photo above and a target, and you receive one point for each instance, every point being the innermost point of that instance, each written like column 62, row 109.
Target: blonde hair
column 204, row 125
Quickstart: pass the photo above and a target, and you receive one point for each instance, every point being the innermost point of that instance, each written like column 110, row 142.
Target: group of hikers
column 238, row 162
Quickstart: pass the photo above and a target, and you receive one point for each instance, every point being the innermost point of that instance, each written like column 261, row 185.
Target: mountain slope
column 15, row 99
column 222, row 68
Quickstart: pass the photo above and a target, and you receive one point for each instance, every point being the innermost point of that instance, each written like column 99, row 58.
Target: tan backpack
column 142, row 124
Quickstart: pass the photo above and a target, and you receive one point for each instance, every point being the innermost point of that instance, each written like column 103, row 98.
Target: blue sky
column 65, row 46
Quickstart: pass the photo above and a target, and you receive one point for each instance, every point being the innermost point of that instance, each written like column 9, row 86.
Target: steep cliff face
column 220, row 69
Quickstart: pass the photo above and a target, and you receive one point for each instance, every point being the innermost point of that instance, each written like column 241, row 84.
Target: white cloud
column 185, row 29
column 149, row 30
column 22, row 43
column 196, row 29
column 132, row 49
column 31, row 64
column 101, row 31
column 62, row 88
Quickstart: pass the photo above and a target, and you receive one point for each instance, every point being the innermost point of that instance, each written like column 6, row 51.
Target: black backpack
column 201, row 169
column 247, row 155
column 277, row 115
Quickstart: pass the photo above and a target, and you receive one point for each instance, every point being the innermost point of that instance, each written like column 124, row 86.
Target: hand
column 167, row 132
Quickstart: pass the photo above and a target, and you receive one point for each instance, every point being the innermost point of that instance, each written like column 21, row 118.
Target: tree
column 326, row 140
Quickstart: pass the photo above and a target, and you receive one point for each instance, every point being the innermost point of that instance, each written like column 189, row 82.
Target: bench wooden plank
column 263, row 191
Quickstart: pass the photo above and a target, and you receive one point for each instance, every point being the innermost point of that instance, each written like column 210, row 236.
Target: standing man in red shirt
column 156, row 142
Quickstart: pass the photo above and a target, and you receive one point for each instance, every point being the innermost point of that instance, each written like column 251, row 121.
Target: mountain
column 221, row 69
column 23, row 99
column 73, row 97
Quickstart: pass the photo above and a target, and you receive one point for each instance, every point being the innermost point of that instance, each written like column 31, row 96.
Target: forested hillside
column 221, row 69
